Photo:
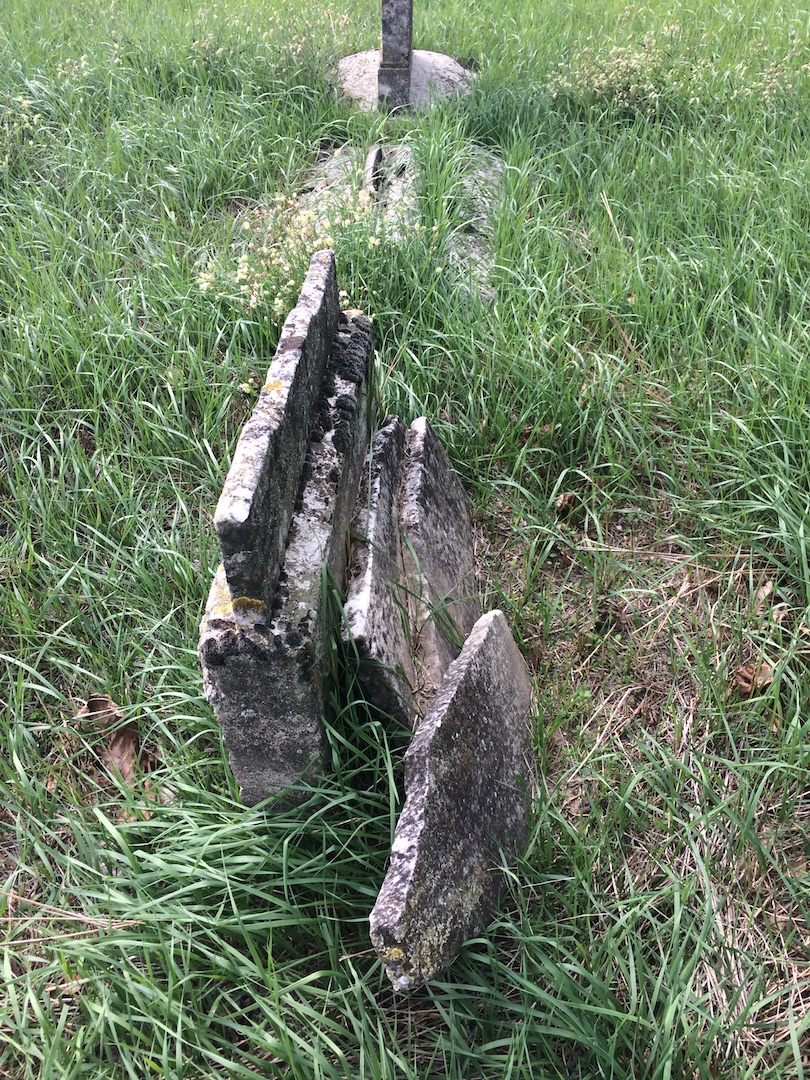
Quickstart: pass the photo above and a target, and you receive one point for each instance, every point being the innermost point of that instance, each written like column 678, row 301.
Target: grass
column 629, row 410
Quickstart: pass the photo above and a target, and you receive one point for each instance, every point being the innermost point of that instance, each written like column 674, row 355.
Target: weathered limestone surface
column 260, row 660
column 376, row 609
column 396, row 55
column 438, row 556
column 468, row 785
column 255, row 509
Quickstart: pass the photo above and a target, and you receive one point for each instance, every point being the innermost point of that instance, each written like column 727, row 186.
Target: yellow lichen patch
column 273, row 384
column 246, row 609
column 394, row 955
column 220, row 611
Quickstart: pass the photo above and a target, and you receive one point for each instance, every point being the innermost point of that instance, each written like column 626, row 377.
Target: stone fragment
column 255, row 509
column 438, row 558
column 376, row 608
column 372, row 170
column 468, row 785
column 261, row 661
column 394, row 75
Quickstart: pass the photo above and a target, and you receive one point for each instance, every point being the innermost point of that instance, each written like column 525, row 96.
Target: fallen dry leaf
column 122, row 741
column 762, row 595
column 779, row 612
column 751, row 677
column 562, row 502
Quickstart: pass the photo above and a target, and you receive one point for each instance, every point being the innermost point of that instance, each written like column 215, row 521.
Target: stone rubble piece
column 372, row 170
column 438, row 557
column 376, row 610
column 468, row 786
column 262, row 661
column 255, row 509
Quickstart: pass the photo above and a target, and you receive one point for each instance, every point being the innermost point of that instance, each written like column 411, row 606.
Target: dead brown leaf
column 122, row 742
column 752, row 677
column 563, row 501
column 762, row 595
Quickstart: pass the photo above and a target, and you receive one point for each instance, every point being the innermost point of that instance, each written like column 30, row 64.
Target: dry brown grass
column 670, row 673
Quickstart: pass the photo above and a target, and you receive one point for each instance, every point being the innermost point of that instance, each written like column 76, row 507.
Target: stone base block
column 433, row 76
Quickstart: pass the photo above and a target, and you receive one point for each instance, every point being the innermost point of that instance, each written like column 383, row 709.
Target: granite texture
column 376, row 610
column 396, row 54
column 262, row 662
column 438, row 557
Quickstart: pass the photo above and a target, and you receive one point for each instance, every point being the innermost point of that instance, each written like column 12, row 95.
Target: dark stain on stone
column 290, row 343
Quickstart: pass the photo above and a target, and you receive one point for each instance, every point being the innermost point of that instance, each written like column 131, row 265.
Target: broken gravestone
column 412, row 594
column 468, row 786
column 282, row 522
column 377, row 610
column 299, row 477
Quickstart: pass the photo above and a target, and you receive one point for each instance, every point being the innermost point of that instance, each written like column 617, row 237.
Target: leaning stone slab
column 261, row 661
column 255, row 509
column 438, row 556
column 376, row 610
column 468, row 785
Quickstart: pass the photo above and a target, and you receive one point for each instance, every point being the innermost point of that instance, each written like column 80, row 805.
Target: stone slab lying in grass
column 262, row 663
column 376, row 609
column 255, row 509
column 468, row 784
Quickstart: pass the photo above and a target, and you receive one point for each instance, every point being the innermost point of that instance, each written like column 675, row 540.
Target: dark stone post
column 396, row 55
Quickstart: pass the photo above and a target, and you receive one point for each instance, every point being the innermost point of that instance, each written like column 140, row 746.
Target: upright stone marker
column 377, row 606
column 396, row 55
column 468, row 785
column 412, row 596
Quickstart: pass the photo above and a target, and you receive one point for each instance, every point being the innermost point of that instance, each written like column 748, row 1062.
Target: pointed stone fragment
column 468, row 782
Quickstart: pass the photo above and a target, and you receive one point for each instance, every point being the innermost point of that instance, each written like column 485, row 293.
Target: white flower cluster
column 631, row 77
column 18, row 124
column 639, row 77
column 270, row 256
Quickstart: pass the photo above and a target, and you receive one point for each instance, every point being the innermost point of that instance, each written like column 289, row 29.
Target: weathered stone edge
column 255, row 509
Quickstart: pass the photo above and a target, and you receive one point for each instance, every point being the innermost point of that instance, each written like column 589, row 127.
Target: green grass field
column 630, row 413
